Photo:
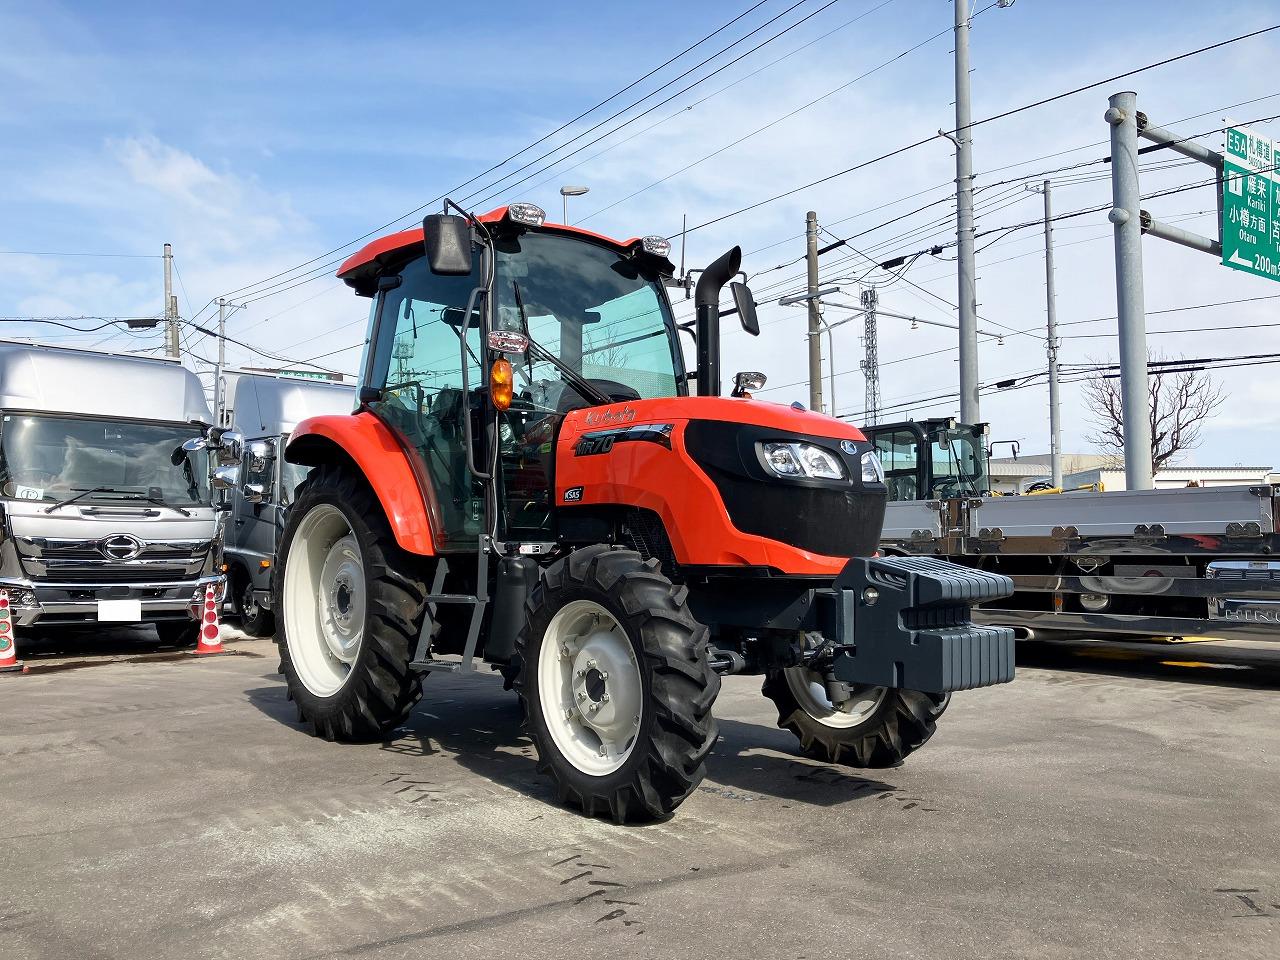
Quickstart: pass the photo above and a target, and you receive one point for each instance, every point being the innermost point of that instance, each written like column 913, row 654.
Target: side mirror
column 746, row 382
column 447, row 238
column 746, row 307
column 230, row 447
column 255, row 492
column 194, row 444
column 262, row 451
column 224, row 477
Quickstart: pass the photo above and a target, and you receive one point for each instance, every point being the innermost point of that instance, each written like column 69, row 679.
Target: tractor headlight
column 801, row 460
column 872, row 468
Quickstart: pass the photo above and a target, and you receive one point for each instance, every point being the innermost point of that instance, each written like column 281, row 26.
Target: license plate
column 1248, row 611
column 119, row 611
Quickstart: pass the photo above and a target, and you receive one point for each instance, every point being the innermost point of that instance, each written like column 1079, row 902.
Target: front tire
column 349, row 604
column 616, row 685
column 877, row 727
column 254, row 620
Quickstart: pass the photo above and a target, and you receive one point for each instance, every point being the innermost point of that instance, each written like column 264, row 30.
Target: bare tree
column 1179, row 403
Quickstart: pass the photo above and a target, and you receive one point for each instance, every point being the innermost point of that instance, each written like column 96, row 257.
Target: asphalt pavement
column 1112, row 802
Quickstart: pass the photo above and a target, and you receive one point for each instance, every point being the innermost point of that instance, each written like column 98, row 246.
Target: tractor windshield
column 959, row 464
column 602, row 314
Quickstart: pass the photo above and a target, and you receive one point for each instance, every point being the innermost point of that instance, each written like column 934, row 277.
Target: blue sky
column 255, row 137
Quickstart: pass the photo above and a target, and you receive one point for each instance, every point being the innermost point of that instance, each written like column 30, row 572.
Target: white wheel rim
column 811, row 694
column 590, row 688
column 324, row 600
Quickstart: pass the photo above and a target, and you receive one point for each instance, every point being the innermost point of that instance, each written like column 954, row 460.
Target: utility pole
column 170, row 306
column 871, row 359
column 1051, row 344
column 968, row 293
column 815, row 313
column 1126, row 216
column 222, row 361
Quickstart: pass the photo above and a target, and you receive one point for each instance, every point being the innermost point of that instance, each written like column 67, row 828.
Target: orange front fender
column 368, row 443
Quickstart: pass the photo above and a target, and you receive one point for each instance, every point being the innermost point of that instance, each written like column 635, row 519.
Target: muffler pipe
column 706, row 298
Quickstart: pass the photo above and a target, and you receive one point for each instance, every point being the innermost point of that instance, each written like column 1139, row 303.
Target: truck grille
column 83, row 561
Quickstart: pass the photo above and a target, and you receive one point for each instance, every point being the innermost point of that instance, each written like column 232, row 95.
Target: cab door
column 416, row 364
column 255, row 525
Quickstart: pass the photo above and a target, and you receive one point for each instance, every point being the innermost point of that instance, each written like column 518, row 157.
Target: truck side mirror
column 229, row 444
column 447, row 238
column 255, row 492
column 224, row 477
column 746, row 307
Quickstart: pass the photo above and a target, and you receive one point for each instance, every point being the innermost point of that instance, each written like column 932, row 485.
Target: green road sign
column 1251, row 203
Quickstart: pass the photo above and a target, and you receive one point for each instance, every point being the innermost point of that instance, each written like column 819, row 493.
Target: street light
column 567, row 192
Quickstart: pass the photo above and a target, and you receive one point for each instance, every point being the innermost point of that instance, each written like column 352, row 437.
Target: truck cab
column 108, row 487
column 266, row 409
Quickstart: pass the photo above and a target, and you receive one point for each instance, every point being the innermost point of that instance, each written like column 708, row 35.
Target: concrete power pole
column 170, row 306
column 218, row 399
column 968, row 293
column 1126, row 216
column 1051, row 345
column 871, row 361
column 815, row 313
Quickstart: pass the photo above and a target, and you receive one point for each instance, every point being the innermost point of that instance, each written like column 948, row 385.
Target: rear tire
column 880, row 726
column 349, row 604
column 254, row 619
column 616, row 685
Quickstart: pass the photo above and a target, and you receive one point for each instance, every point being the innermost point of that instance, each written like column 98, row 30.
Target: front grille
column 834, row 519
column 116, row 574
column 82, row 561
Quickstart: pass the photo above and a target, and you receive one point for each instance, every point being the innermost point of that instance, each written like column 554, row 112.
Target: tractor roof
column 369, row 260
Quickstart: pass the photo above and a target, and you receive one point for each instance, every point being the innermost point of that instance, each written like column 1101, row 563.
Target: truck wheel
column 616, row 685
column 178, row 633
column 254, row 620
column 875, row 727
column 349, row 604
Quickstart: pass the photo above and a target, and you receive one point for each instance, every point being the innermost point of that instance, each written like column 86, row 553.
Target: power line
column 59, row 253
column 786, row 116
column 650, row 109
column 999, row 116
column 522, row 150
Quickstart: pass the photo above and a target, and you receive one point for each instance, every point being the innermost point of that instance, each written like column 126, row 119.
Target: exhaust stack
column 707, row 303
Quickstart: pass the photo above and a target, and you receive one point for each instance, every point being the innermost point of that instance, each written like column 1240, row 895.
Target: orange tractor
column 529, row 481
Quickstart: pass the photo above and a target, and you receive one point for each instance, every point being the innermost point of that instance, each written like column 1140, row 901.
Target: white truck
column 1145, row 563
column 109, row 468
column 265, row 409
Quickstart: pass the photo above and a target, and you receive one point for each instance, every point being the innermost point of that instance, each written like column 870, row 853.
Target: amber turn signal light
column 501, row 384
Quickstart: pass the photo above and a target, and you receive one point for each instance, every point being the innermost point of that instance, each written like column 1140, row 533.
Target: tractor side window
column 420, row 354
column 899, row 456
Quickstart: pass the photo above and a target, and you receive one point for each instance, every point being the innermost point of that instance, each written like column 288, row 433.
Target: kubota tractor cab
column 529, row 482
column 935, row 459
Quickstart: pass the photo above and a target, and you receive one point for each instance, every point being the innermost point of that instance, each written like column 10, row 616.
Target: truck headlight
column 801, row 460
column 872, row 468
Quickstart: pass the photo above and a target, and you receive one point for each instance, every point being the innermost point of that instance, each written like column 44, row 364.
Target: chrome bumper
column 36, row 601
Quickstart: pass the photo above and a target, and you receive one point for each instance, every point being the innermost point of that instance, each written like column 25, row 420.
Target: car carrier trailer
column 529, row 483
column 1199, row 561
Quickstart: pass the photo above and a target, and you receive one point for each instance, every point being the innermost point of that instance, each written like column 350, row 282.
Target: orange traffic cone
column 9, row 662
column 210, row 642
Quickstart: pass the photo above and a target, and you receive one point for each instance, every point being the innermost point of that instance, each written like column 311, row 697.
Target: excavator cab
column 530, row 482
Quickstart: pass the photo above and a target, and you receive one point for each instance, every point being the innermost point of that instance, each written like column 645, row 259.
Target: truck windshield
column 53, row 458
column 959, row 463
column 602, row 314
